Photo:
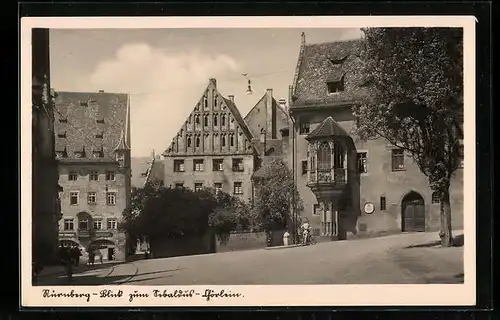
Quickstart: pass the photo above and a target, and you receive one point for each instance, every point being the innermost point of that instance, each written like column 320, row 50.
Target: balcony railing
column 336, row 176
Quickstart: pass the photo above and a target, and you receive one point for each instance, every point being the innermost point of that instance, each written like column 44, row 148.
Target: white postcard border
column 261, row 295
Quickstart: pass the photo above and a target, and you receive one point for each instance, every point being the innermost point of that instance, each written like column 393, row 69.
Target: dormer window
column 80, row 153
column 84, row 103
column 61, row 153
column 101, row 120
column 98, row 153
column 99, row 135
column 63, row 120
column 337, row 61
column 336, row 86
column 61, row 134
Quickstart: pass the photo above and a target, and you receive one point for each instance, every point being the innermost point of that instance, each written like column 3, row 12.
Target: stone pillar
column 332, row 161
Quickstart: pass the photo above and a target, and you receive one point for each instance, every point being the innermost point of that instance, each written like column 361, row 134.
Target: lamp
column 249, row 90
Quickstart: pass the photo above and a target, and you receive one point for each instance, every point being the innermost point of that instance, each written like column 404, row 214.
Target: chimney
column 214, row 81
column 282, row 103
column 270, row 122
column 231, row 97
column 101, row 91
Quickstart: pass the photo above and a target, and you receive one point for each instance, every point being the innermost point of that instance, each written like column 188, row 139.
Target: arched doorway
column 413, row 212
column 69, row 243
column 105, row 247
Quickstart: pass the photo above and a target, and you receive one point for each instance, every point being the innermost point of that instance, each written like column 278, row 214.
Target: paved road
column 384, row 260
column 381, row 260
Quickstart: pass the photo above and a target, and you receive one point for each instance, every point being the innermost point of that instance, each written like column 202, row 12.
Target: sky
column 166, row 70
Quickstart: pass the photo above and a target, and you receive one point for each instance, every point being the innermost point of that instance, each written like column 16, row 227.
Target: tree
column 274, row 194
column 415, row 80
column 159, row 212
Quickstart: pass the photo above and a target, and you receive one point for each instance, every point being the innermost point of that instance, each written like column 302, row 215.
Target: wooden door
column 413, row 216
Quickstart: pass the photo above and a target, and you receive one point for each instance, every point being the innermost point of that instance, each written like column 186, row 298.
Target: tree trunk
column 446, row 232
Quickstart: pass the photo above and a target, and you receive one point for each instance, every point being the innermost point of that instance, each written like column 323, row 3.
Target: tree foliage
column 275, row 196
column 159, row 212
column 415, row 76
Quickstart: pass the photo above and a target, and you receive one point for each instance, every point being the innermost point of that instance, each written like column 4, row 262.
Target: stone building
column 348, row 185
column 216, row 147
column 93, row 148
column 46, row 208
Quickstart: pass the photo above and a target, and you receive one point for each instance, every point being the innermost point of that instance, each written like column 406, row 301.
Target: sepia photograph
column 230, row 157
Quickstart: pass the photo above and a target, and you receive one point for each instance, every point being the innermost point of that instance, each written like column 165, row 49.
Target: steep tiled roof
column 156, row 171
column 140, row 168
column 274, row 146
column 239, row 119
column 91, row 122
column 320, row 63
column 327, row 128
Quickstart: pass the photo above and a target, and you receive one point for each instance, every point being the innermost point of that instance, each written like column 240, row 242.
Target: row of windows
column 383, row 203
column 83, row 224
column 217, row 165
column 197, row 140
column 65, row 120
column 74, row 198
column 237, row 186
column 63, row 135
column 215, row 120
column 93, row 176
column 397, row 163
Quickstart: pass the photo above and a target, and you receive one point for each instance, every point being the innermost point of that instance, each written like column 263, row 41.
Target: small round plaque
column 369, row 207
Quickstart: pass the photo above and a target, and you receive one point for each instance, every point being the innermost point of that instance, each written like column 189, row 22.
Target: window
column 72, row 176
column 189, row 142
column 435, row 197
column 198, row 186
column 316, row 209
column 304, row 128
column 231, row 140
column 73, row 198
column 304, row 166
column 99, row 135
column 63, row 120
column 218, row 165
column 197, row 119
column 217, row 187
column 198, row 165
column 84, row 103
column 324, row 157
column 83, row 224
column 178, row 165
column 238, row 165
column 223, row 120
column 336, row 86
column 398, row 160
column 97, row 224
column 68, row 224
column 110, row 198
column 205, row 120
column 223, row 141
column 100, row 120
column 197, row 142
column 110, row 176
column 179, row 184
column 361, row 162
column 205, row 102
column 215, row 120
column 383, row 203
column 92, row 198
column 238, row 189
column 94, row 176
column 112, row 224
column 61, row 134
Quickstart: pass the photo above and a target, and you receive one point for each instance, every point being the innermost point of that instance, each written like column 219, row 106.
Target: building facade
column 349, row 185
column 216, row 147
column 93, row 147
column 46, row 208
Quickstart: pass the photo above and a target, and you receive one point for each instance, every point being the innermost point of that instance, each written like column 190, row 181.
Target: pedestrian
column 91, row 257
column 305, row 232
column 100, row 257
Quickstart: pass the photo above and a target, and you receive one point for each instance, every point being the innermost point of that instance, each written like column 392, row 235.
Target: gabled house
column 351, row 186
column 92, row 139
column 213, row 148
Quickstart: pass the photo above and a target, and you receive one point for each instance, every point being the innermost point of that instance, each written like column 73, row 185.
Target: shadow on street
column 458, row 241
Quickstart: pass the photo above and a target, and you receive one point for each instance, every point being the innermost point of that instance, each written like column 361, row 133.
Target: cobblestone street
column 404, row 259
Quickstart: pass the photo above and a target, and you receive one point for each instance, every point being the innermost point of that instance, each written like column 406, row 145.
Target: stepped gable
column 88, row 125
column 215, row 126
